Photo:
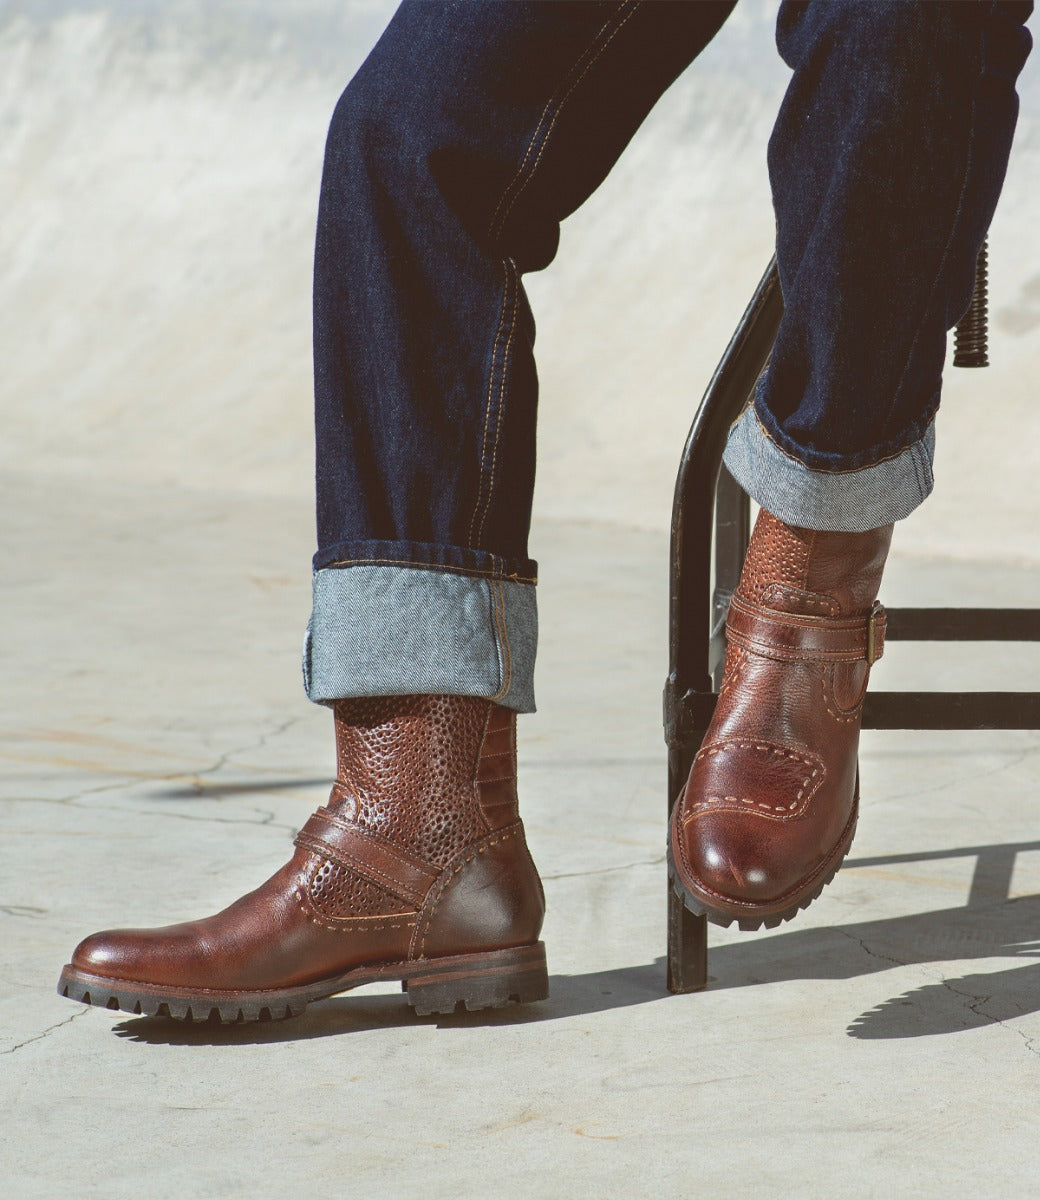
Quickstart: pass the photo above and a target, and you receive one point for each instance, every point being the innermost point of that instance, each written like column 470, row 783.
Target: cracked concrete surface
column 156, row 752
column 876, row 1046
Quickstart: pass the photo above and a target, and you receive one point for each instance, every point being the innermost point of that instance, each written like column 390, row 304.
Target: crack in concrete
column 976, row 1004
column 886, row 958
column 39, row 1037
column 23, row 910
column 962, row 780
column 646, row 862
column 228, row 755
column 264, row 817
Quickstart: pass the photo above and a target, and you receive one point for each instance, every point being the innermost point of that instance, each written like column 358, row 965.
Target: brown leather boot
column 417, row 870
column 770, row 807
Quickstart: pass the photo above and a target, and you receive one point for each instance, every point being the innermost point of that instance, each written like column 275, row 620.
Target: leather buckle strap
column 791, row 637
column 350, row 846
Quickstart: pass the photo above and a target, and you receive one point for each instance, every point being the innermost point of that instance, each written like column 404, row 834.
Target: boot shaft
column 431, row 774
column 813, row 572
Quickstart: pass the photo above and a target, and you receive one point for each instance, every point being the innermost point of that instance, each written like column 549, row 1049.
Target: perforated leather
column 813, row 572
column 778, row 555
column 410, row 764
column 337, row 891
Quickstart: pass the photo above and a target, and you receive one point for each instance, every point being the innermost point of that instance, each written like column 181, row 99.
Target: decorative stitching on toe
column 815, row 772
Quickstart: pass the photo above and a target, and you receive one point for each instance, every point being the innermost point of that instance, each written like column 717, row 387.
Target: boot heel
column 478, row 981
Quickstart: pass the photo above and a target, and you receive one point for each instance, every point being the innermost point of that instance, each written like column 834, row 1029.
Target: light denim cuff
column 399, row 631
column 842, row 501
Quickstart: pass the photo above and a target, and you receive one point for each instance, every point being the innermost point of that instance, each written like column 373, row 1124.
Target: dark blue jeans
column 469, row 133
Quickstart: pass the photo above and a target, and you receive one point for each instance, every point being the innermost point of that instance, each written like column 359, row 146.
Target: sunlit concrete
column 158, row 756
column 159, row 172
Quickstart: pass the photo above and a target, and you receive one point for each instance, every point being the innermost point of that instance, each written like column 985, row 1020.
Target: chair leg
column 693, row 641
column 687, row 947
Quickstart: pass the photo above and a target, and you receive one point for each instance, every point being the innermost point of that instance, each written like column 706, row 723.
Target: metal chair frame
column 708, row 500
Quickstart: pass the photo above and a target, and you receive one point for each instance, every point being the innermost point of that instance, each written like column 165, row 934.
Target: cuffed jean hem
column 399, row 631
column 841, row 501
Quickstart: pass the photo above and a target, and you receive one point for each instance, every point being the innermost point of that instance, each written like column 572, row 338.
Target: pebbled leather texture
column 770, row 805
column 419, row 852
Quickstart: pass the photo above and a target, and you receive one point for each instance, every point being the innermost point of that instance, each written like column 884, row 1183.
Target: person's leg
column 886, row 163
column 466, row 137
column 442, row 187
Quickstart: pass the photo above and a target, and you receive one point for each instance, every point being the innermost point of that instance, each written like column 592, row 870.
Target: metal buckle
column 877, row 613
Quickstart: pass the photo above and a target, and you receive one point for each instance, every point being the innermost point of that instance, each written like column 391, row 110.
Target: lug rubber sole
column 750, row 917
column 436, row 985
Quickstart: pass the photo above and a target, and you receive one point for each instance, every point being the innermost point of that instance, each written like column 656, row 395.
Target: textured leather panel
column 500, row 737
column 337, row 891
column 362, row 851
column 778, row 553
column 409, row 762
column 496, row 771
column 809, row 571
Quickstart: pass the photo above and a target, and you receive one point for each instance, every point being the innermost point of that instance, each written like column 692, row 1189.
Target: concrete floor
column 159, row 170
column 158, row 756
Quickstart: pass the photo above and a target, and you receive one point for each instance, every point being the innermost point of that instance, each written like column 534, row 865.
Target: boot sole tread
column 468, row 982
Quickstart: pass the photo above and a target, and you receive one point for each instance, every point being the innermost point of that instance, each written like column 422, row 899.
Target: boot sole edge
column 491, row 979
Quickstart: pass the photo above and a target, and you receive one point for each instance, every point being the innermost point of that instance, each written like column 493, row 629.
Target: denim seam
column 505, row 651
column 490, row 393
column 968, row 161
column 910, row 446
column 921, row 469
column 501, row 396
column 592, row 49
column 404, row 562
column 486, row 486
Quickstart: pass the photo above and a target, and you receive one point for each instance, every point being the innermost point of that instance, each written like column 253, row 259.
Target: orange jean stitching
column 559, row 108
column 404, row 562
column 491, row 386
column 475, row 537
column 591, row 48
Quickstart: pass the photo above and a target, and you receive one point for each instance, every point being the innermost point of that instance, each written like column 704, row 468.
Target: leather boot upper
column 419, row 852
column 772, row 792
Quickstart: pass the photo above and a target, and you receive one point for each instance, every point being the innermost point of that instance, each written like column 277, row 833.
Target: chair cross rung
column 963, row 624
column 951, row 710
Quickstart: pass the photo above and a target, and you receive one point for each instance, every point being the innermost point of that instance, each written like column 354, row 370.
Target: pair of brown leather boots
column 418, row 870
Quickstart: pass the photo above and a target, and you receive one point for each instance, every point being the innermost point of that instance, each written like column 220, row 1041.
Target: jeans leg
column 468, row 134
column 886, row 164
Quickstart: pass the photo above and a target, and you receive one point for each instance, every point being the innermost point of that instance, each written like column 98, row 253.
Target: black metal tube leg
column 687, row 947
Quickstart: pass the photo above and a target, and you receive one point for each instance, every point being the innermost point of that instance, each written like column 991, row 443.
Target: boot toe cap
column 749, row 829
column 736, row 860
column 113, row 954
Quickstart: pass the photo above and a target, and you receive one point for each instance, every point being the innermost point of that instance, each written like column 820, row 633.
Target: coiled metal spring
column 971, row 339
